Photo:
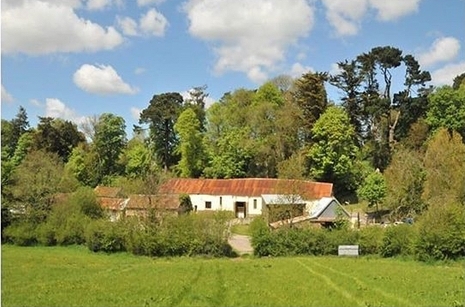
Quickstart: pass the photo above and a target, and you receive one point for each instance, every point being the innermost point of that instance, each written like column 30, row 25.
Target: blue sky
column 78, row 58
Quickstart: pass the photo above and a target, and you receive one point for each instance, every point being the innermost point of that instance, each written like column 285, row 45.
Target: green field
column 73, row 276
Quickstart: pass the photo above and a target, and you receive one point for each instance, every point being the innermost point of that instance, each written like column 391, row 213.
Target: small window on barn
column 208, row 205
column 255, row 204
column 221, row 201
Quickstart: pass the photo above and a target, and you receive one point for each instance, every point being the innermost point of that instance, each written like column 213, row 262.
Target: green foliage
column 84, row 199
column 109, row 142
column 57, row 136
column 442, row 232
column 444, row 164
column 373, row 189
column 398, row 241
column 36, row 182
column 161, row 115
column 190, row 234
column 447, row 109
column 229, row 159
column 370, row 240
column 185, row 203
column 310, row 95
column 190, row 145
column 261, row 237
column 22, row 234
column 331, row 157
column 137, row 159
column 405, row 179
column 105, row 236
column 287, row 241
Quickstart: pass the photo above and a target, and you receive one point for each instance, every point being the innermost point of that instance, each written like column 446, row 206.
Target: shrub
column 442, row 233
column 84, row 199
column 46, row 234
column 72, row 229
column 370, row 240
column 22, row 234
column 261, row 237
column 398, row 241
column 103, row 235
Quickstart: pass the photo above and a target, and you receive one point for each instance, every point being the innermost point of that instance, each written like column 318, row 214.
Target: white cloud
column 334, row 70
column 249, row 36
column 139, row 70
column 57, row 109
column 97, row 4
column 298, row 70
column 208, row 100
column 153, row 22
column 149, row 2
column 127, row 25
column 446, row 74
column 42, row 27
column 442, row 50
column 35, row 102
column 345, row 16
column 101, row 79
column 392, row 9
column 135, row 113
column 6, row 97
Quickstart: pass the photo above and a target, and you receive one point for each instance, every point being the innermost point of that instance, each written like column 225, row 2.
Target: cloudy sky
column 78, row 58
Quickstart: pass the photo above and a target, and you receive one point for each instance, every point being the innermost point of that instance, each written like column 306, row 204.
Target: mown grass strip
column 330, row 283
column 366, row 287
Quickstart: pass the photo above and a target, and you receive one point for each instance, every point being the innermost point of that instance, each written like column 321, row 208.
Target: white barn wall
column 227, row 203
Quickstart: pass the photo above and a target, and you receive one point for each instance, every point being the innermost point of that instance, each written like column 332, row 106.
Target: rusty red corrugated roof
column 161, row 201
column 248, row 187
column 110, row 203
column 102, row 191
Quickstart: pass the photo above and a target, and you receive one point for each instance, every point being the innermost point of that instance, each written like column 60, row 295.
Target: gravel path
column 241, row 244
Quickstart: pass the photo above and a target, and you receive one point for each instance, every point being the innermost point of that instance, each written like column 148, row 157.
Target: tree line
column 402, row 149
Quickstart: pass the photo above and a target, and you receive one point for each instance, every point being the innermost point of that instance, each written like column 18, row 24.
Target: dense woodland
column 401, row 151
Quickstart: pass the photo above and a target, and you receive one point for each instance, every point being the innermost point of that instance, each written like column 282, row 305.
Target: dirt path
column 241, row 244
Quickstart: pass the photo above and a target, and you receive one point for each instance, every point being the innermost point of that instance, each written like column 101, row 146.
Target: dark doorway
column 240, row 209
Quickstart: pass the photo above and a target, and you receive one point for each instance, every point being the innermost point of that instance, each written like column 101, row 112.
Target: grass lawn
column 73, row 276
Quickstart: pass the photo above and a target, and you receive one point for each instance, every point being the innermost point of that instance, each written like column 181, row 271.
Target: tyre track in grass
column 364, row 285
column 220, row 293
column 328, row 281
column 187, row 287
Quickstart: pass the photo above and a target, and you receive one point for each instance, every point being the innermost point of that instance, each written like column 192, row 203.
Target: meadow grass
column 73, row 276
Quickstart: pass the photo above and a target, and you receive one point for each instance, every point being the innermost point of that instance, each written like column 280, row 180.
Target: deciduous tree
column 37, row 180
column 190, row 145
column 331, row 157
column 445, row 167
column 109, row 141
column 405, row 177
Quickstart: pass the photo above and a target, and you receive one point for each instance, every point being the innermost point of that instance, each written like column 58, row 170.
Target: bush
column 370, row 240
column 331, row 239
column 72, row 229
column 441, row 233
column 398, row 241
column 22, row 234
column 190, row 234
column 46, row 234
column 103, row 235
column 261, row 237
column 298, row 241
column 84, row 199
